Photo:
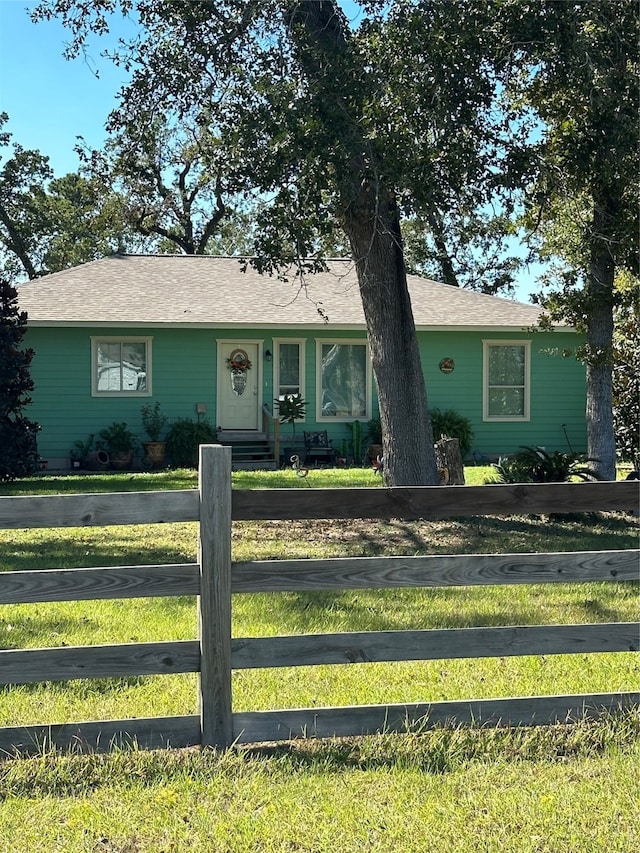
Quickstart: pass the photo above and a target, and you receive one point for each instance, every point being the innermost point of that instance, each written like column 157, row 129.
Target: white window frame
column 333, row 419
column 276, row 364
column 120, row 339
column 486, row 416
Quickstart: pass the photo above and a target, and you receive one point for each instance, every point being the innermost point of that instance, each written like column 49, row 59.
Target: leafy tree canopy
column 171, row 174
column 577, row 69
column 48, row 223
column 410, row 91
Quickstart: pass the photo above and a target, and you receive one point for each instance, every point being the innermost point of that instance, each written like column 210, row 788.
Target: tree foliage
column 17, row 433
column 578, row 71
column 171, row 174
column 47, row 223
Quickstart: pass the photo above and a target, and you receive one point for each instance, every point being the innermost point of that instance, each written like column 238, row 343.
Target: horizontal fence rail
column 429, row 502
column 434, row 502
column 215, row 578
column 441, row 644
column 304, row 575
column 103, row 584
column 99, row 509
column 437, row 571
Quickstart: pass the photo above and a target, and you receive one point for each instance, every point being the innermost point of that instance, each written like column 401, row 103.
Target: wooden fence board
column 24, row 666
column 439, row 644
column 113, row 582
column 352, row 721
column 99, row 583
column 433, row 571
column 215, row 596
column 421, row 502
column 98, row 509
column 434, row 502
column 101, row 736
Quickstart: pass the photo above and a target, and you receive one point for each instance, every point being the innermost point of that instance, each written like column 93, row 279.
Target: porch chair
column 318, row 448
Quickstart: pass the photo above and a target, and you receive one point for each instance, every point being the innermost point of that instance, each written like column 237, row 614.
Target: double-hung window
column 120, row 367
column 344, row 380
column 506, row 390
column 288, row 371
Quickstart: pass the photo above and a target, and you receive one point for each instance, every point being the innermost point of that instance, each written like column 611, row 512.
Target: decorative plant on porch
column 291, row 408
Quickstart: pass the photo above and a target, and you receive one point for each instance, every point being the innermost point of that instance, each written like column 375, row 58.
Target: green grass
column 554, row 790
column 187, row 478
column 561, row 788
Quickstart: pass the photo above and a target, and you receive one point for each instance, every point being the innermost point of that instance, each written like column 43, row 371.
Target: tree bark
column 370, row 219
column 449, row 461
column 599, row 410
column 374, row 235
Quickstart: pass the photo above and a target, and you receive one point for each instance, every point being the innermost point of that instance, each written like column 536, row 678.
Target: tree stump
column 449, row 461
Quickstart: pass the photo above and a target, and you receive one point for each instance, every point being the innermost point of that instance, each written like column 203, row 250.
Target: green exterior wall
column 184, row 373
column 558, row 390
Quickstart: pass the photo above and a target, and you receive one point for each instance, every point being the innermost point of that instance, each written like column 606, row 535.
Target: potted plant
column 121, row 443
column 291, row 408
column 154, row 421
column 89, row 454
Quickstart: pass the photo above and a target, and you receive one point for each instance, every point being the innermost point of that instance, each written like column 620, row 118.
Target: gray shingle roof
column 204, row 291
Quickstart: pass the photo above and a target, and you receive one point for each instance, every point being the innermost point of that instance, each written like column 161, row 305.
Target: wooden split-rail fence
column 214, row 579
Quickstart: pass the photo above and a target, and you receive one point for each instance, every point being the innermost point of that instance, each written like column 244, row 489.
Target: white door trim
column 255, row 376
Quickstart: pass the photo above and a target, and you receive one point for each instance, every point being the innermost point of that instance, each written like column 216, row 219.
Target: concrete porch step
column 249, row 450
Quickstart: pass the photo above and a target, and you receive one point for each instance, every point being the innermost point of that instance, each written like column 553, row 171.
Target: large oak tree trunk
column 368, row 213
column 409, row 457
column 599, row 412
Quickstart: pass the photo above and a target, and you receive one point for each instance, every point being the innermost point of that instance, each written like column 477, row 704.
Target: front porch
column 250, row 450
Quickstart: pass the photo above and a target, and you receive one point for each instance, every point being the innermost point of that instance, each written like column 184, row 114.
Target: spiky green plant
column 291, row 408
column 537, row 465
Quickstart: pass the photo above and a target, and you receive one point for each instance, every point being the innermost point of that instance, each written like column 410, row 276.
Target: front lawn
column 554, row 789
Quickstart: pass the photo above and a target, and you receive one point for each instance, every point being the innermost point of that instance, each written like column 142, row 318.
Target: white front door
column 239, row 386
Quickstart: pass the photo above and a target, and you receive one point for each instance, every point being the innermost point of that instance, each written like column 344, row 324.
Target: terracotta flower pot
column 121, row 461
column 97, row 460
column 154, row 452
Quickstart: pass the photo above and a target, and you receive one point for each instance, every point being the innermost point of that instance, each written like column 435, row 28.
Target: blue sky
column 51, row 101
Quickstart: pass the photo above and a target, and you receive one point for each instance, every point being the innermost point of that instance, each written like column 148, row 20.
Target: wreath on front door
column 239, row 360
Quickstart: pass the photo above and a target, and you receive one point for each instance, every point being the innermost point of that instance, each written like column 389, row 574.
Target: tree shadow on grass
column 93, row 547
column 441, row 608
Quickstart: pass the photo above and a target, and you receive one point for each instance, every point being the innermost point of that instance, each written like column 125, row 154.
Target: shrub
column 18, row 453
column 374, row 431
column 184, row 440
column 119, row 439
column 626, row 388
column 18, row 448
column 452, row 425
column 536, row 465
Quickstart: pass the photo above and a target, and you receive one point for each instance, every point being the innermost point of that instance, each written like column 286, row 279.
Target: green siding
column 184, row 373
column 557, row 390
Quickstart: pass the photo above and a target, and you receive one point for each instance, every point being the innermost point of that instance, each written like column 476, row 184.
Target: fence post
column 214, row 605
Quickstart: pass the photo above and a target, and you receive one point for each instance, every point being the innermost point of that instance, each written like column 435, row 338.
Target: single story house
column 206, row 338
